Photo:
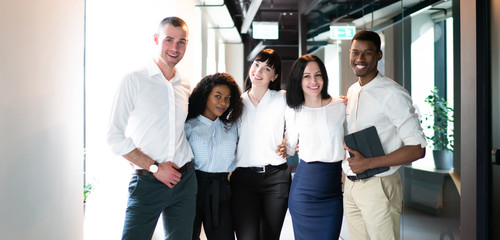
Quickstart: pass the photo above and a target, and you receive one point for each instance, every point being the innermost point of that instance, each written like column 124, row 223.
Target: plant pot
column 443, row 159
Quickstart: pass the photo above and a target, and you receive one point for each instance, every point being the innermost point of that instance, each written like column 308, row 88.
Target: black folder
column 367, row 143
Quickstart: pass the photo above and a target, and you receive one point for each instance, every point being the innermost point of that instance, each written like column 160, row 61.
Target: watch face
column 153, row 168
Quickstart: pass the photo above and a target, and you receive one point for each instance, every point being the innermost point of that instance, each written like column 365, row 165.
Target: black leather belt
column 264, row 169
column 144, row 172
column 220, row 175
column 187, row 166
column 353, row 178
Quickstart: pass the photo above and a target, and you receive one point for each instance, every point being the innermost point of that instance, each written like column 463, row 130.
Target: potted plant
column 86, row 191
column 442, row 141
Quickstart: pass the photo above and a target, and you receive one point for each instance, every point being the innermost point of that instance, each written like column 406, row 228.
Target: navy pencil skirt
column 315, row 201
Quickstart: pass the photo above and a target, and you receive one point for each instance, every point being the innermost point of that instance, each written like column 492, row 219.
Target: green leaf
column 442, row 115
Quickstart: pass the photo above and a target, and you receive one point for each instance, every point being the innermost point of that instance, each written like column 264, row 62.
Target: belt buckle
column 262, row 169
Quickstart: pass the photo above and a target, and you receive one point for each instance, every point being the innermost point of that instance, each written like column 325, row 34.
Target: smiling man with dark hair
column 373, row 205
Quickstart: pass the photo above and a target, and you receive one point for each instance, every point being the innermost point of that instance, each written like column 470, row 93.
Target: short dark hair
column 199, row 96
column 174, row 21
column 294, row 91
column 274, row 61
column 365, row 35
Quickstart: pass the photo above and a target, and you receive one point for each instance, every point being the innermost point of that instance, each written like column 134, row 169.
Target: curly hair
column 294, row 93
column 199, row 96
column 274, row 61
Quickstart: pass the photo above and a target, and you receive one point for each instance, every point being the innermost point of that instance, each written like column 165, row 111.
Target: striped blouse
column 213, row 145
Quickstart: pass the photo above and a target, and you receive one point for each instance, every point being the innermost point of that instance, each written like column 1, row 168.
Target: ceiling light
column 265, row 30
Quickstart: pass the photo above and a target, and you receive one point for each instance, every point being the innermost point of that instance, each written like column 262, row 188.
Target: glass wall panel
column 417, row 44
column 431, row 206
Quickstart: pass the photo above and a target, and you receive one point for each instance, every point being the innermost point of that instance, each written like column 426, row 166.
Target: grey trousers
column 148, row 198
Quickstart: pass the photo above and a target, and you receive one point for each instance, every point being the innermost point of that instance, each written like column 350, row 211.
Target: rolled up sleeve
column 122, row 107
column 402, row 115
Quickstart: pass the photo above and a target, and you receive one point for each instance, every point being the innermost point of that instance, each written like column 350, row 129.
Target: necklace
column 250, row 94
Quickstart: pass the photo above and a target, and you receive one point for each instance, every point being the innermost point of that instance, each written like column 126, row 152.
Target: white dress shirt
column 149, row 113
column 386, row 105
column 260, row 130
column 213, row 144
column 319, row 131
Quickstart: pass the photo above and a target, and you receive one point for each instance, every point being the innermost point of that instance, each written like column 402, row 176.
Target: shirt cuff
column 411, row 141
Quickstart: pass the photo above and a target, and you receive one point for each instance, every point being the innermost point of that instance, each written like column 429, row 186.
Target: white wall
column 388, row 55
column 347, row 76
column 332, row 64
column 234, row 63
column 41, row 119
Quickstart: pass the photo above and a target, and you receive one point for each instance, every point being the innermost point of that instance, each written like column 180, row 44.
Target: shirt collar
column 154, row 70
column 207, row 121
column 373, row 82
column 246, row 96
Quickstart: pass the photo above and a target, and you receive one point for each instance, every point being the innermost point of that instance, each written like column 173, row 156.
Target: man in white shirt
column 147, row 129
column 373, row 206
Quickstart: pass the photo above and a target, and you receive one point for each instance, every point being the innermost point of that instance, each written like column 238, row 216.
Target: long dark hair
column 199, row 96
column 274, row 61
column 294, row 92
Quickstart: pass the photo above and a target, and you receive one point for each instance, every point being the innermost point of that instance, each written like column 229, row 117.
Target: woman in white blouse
column 261, row 181
column 316, row 121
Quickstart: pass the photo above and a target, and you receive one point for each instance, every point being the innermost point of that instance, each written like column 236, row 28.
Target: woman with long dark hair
column 261, row 181
column 317, row 122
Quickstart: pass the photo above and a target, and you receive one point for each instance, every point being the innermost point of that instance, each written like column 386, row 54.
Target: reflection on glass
column 431, row 205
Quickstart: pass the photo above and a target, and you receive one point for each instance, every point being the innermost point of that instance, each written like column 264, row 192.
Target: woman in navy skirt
column 316, row 121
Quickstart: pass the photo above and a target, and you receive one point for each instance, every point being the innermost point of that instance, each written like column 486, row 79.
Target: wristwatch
column 153, row 168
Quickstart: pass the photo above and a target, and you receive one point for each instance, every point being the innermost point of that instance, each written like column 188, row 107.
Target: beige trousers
column 373, row 207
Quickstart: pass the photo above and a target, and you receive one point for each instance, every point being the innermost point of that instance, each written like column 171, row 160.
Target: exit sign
column 342, row 32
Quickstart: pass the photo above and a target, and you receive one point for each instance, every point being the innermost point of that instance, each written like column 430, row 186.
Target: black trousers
column 260, row 201
column 213, row 207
